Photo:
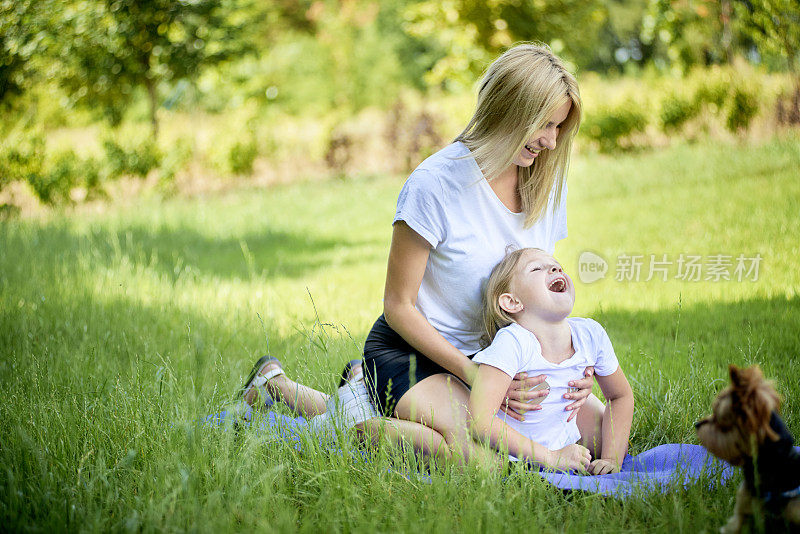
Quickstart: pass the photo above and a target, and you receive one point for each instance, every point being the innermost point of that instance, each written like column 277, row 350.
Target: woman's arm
column 618, row 416
column 408, row 257
column 488, row 392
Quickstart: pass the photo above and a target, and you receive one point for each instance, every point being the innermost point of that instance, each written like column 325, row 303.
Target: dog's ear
column 745, row 380
column 735, row 373
column 766, row 400
column 757, row 399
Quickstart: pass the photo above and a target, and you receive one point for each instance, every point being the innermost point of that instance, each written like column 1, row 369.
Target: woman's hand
column 584, row 386
column 603, row 467
column 519, row 397
column 571, row 458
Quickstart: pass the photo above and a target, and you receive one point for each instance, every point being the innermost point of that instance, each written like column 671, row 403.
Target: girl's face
column 544, row 138
column 542, row 286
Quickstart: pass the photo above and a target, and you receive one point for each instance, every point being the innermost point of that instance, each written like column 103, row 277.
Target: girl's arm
column 617, row 418
column 488, row 393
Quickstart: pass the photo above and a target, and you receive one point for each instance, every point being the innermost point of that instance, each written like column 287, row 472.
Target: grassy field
column 120, row 327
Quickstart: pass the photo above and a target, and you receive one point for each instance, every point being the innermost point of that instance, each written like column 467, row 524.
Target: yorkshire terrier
column 745, row 430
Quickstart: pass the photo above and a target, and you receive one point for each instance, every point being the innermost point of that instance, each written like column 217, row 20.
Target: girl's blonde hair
column 518, row 95
column 495, row 317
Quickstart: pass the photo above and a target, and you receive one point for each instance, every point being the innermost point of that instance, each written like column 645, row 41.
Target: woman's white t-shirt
column 515, row 350
column 450, row 204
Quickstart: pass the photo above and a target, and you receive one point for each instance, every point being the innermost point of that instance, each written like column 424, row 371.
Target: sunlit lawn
column 119, row 328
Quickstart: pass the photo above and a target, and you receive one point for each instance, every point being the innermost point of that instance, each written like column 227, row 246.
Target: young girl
column 526, row 303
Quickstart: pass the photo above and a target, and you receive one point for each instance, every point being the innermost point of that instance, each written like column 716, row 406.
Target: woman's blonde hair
column 495, row 317
column 518, row 95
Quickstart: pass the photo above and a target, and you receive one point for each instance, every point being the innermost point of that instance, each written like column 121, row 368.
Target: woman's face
column 544, row 138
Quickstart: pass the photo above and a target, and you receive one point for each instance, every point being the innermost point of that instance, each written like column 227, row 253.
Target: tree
column 774, row 27
column 109, row 48
column 22, row 38
column 472, row 32
column 685, row 34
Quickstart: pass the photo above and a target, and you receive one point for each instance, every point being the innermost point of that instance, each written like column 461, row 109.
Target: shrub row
column 52, row 176
column 721, row 99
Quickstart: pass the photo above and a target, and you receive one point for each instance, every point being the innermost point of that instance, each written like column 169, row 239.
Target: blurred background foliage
column 195, row 92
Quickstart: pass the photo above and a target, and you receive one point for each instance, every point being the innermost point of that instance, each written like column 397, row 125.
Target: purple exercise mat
column 657, row 469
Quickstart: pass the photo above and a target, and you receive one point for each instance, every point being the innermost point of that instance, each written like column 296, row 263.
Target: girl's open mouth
column 558, row 285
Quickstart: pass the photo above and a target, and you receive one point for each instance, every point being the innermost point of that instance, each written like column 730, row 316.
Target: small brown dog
column 745, row 430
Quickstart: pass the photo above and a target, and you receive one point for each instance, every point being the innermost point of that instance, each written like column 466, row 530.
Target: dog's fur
column 745, row 430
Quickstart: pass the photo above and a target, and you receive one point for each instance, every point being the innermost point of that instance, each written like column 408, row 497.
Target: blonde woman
column 501, row 182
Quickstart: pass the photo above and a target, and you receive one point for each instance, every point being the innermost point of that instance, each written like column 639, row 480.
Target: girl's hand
column 571, row 458
column 520, row 400
column 603, row 467
column 584, row 386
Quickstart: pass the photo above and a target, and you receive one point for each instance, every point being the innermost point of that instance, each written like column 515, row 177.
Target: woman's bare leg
column 310, row 402
column 590, row 425
column 301, row 399
column 440, row 402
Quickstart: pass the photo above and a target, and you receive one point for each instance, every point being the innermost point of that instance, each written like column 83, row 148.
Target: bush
column 241, row 156
column 59, row 176
column 22, row 161
column 611, row 126
column 233, row 152
column 712, row 94
column 137, row 160
column 339, row 153
column 51, row 177
column 90, row 172
column 175, row 159
column 61, row 173
column 675, row 111
column 744, row 106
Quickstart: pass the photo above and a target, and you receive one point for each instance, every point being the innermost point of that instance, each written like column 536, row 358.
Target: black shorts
column 392, row 366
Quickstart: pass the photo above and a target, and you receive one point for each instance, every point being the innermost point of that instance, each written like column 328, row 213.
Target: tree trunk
column 727, row 34
column 153, row 98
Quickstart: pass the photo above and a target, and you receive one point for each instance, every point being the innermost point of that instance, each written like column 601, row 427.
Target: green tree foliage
column 615, row 40
column 471, row 32
column 683, row 34
column 110, row 48
column 22, row 39
column 347, row 55
column 774, row 27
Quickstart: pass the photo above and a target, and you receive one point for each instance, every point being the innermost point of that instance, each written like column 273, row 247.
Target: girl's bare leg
column 440, row 402
column 399, row 433
column 301, row 399
column 590, row 425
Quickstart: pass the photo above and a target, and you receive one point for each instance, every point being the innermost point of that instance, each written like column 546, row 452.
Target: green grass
column 119, row 328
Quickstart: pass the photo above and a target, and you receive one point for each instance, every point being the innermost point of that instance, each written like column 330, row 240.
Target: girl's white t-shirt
column 450, row 204
column 515, row 350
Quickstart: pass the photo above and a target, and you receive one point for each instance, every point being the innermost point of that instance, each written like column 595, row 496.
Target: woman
column 501, row 183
